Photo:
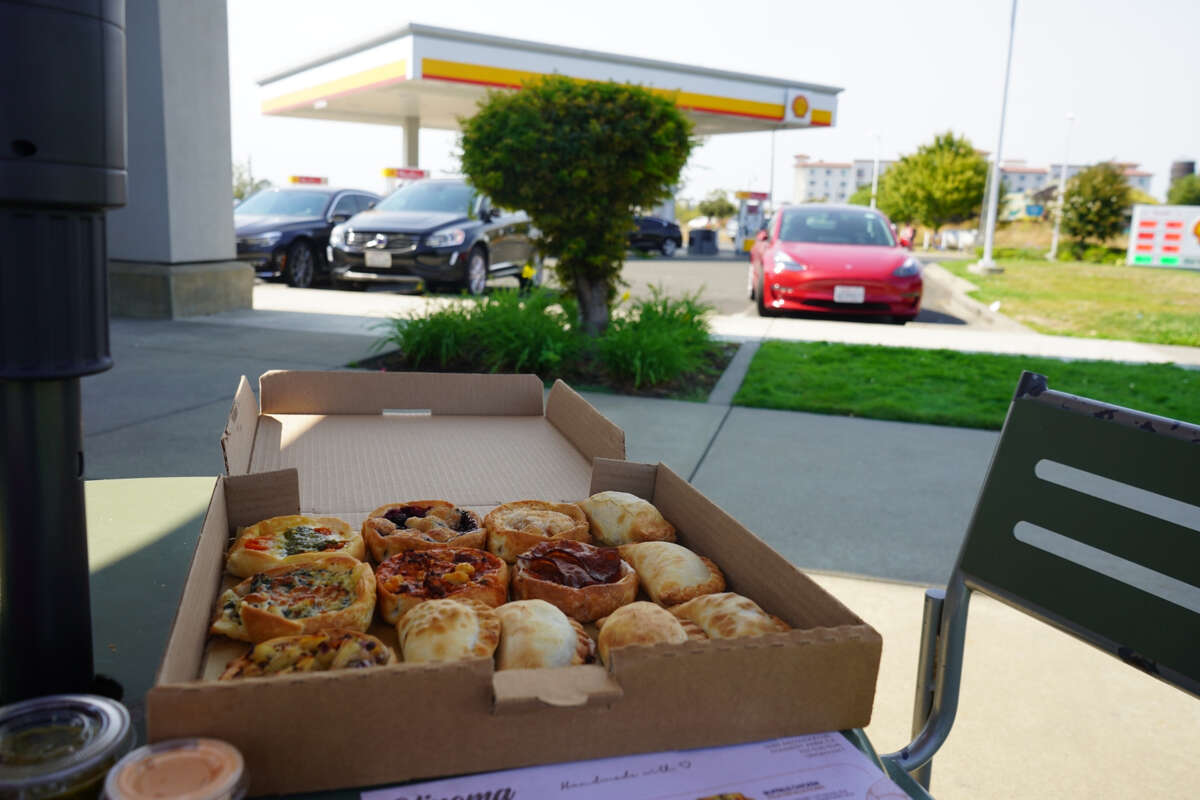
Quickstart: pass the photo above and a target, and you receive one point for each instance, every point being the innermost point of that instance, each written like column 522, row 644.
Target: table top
column 141, row 536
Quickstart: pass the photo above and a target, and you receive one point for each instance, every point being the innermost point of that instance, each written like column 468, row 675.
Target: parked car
column 433, row 233
column 655, row 233
column 284, row 231
column 837, row 259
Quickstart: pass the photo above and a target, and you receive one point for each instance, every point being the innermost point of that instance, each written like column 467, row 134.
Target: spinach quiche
column 275, row 541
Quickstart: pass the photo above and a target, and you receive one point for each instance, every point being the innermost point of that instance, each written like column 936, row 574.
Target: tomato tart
column 462, row 573
column 314, row 592
column 275, row 541
column 513, row 528
column 421, row 525
column 310, row 652
column 582, row 581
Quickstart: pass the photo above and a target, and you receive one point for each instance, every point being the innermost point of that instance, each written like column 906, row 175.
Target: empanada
column 621, row 518
column 535, row 634
column 638, row 623
column 729, row 616
column 448, row 630
column 670, row 573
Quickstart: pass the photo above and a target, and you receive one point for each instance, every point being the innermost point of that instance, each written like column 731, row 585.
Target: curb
column 731, row 379
column 950, row 292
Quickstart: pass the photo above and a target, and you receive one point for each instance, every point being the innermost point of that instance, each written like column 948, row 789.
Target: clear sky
column 1129, row 72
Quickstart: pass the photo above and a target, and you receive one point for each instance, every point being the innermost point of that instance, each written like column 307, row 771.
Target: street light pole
column 875, row 171
column 1062, row 190
column 986, row 264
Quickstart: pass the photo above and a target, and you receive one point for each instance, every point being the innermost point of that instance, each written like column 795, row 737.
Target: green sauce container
column 61, row 747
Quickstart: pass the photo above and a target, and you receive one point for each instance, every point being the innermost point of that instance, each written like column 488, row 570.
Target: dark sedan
column 655, row 233
column 284, row 231
column 434, row 233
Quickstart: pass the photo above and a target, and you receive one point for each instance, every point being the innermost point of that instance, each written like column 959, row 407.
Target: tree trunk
column 593, row 305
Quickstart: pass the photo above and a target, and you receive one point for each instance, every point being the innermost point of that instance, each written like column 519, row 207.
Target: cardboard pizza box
column 342, row 444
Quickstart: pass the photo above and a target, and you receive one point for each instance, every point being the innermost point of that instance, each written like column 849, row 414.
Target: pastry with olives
column 421, row 525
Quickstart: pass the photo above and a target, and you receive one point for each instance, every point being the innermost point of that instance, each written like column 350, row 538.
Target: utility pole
column 1062, row 190
column 875, row 171
column 986, row 264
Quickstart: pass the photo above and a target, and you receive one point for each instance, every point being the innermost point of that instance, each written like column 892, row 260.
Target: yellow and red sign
column 308, row 179
column 405, row 173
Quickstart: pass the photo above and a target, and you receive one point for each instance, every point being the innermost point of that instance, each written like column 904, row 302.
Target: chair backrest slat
column 1094, row 525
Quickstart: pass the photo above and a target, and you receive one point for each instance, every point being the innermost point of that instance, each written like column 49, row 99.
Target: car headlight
column 263, row 239
column 447, row 237
column 784, row 261
column 909, row 268
column 337, row 236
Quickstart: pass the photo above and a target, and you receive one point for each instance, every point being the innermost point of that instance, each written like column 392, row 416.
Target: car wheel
column 300, row 265
column 900, row 319
column 534, row 280
column 477, row 267
column 763, row 309
column 668, row 247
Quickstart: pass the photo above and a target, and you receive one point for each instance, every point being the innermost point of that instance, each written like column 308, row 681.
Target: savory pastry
column 415, row 576
column 638, row 623
column 448, row 630
column 314, row 592
column 513, row 528
column 582, row 581
column 729, row 616
column 670, row 573
column 621, row 518
column 275, row 541
column 310, row 652
column 421, row 525
column 535, row 634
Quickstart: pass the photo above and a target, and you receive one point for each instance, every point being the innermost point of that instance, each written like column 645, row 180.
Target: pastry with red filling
column 421, row 525
column 582, row 581
column 278, row 540
column 461, row 573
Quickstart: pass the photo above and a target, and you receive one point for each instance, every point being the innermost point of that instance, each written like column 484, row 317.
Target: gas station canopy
column 422, row 76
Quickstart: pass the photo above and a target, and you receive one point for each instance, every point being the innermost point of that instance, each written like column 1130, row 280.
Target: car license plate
column 375, row 259
column 849, row 294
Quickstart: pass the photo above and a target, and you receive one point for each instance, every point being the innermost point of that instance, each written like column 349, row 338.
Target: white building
column 1018, row 177
column 863, row 167
column 832, row 181
column 1136, row 178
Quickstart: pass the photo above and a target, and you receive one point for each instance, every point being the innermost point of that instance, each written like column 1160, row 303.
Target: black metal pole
column 62, row 163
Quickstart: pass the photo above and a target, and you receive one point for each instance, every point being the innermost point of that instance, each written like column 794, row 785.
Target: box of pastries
column 404, row 576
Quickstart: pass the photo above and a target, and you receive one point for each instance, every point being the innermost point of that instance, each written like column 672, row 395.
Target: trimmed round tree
column 1096, row 204
column 578, row 157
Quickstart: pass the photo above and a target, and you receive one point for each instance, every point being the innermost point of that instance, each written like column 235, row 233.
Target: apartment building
column 831, row 181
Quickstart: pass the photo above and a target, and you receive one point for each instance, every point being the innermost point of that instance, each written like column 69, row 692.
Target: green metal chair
column 1089, row 520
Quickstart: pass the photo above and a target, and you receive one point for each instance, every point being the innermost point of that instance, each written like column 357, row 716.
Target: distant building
column 1018, row 177
column 1137, row 178
column 863, row 167
column 832, row 181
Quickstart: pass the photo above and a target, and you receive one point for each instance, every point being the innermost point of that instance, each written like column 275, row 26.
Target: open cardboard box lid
column 345, row 443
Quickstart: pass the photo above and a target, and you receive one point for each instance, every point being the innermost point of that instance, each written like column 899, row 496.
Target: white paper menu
column 823, row 766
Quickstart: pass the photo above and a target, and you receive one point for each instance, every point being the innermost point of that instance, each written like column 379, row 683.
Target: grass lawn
column 1159, row 306
column 946, row 387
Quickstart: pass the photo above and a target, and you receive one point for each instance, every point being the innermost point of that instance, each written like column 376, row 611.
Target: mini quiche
column 513, row 528
column 728, row 616
column 619, row 518
column 535, row 634
column 462, row 573
column 273, row 542
column 448, row 630
column 310, row 652
column 582, row 581
column 314, row 592
column 421, row 525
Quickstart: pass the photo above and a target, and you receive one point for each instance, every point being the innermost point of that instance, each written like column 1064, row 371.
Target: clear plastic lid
column 50, row 745
column 182, row 769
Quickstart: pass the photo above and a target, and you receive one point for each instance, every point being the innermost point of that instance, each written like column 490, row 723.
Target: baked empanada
column 670, row 573
column 622, row 518
column 638, row 623
column 448, row 630
column 535, row 634
column 729, row 616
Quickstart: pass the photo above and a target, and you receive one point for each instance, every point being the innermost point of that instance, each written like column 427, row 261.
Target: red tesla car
column 836, row 259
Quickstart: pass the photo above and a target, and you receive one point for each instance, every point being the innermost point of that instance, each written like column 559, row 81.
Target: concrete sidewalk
column 870, row 506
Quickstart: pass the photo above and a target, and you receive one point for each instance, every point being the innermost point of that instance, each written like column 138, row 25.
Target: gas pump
column 750, row 216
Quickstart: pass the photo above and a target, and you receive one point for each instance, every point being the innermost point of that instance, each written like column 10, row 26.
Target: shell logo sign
column 799, row 105
column 1196, row 229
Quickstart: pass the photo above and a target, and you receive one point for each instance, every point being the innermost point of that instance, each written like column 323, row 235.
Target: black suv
column 655, row 233
column 284, row 231
column 435, row 233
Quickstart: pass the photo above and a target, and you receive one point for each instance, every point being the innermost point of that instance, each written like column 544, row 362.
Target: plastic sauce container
column 61, row 747
column 183, row 769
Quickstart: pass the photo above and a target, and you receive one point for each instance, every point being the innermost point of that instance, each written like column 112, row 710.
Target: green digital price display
column 1165, row 236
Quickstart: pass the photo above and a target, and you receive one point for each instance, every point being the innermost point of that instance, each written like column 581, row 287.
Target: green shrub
column 1081, row 251
column 659, row 340
column 1016, row 253
column 504, row 332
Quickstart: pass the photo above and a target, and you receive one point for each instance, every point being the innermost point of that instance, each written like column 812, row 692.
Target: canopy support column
column 412, row 148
